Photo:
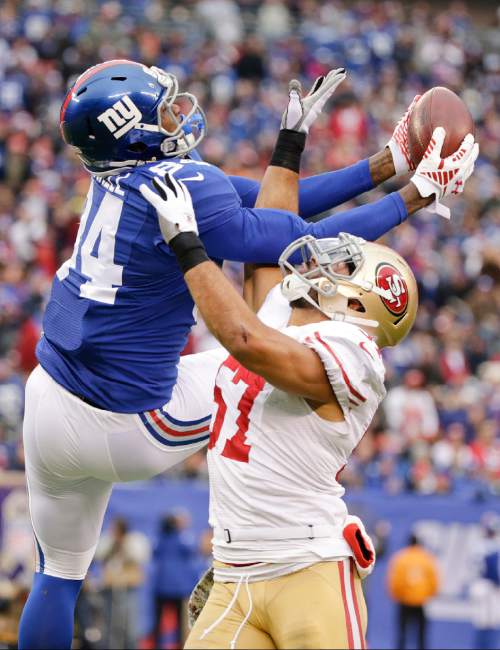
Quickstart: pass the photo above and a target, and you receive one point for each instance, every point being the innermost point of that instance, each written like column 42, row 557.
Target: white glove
column 398, row 144
column 173, row 205
column 301, row 113
column 444, row 176
column 361, row 545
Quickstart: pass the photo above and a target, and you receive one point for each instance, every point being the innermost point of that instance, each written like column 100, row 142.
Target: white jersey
column 274, row 463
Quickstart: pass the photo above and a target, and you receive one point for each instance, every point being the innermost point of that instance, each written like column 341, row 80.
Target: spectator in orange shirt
column 413, row 580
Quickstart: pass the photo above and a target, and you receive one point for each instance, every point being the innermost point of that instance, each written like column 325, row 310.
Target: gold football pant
column 318, row 607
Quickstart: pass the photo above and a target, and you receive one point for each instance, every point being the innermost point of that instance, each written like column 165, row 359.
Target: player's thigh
column 319, row 607
column 193, row 394
column 180, row 427
column 162, row 438
column 218, row 625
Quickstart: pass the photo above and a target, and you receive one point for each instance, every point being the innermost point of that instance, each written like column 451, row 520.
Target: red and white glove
column 398, row 144
column 361, row 545
column 444, row 176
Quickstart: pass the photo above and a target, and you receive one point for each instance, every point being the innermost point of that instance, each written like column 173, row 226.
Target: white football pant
column 75, row 452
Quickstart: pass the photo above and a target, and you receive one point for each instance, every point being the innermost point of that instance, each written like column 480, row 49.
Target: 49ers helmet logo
column 387, row 277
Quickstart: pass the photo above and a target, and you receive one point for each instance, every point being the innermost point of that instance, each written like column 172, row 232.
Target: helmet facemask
column 326, row 278
column 189, row 126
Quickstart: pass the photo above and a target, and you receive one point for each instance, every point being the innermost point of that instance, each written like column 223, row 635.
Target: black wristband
column 288, row 149
column 189, row 250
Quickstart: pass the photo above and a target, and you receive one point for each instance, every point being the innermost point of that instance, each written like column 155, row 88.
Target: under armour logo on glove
column 398, row 144
column 444, row 176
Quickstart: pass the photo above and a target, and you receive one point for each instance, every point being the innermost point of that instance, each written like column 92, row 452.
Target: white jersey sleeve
column 352, row 362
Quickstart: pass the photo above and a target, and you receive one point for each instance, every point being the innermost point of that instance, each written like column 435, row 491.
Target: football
column 439, row 106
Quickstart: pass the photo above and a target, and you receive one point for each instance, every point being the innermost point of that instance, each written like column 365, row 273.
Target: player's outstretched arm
column 260, row 235
column 279, row 188
column 281, row 360
column 325, row 191
column 257, row 236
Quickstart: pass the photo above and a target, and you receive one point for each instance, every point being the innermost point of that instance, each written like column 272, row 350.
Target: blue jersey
column 120, row 312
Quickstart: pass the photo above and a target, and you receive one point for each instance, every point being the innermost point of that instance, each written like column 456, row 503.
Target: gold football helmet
column 352, row 280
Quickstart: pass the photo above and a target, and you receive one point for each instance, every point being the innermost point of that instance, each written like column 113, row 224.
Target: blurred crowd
column 439, row 428
column 136, row 591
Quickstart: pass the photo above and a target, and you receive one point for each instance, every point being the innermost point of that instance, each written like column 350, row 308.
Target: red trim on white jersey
column 356, row 394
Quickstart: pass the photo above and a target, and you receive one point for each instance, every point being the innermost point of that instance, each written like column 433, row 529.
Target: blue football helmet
column 112, row 116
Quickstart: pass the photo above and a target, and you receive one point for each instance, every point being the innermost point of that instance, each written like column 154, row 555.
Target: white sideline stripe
column 356, row 632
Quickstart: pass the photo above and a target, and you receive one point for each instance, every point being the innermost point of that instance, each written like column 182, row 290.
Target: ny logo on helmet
column 121, row 117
